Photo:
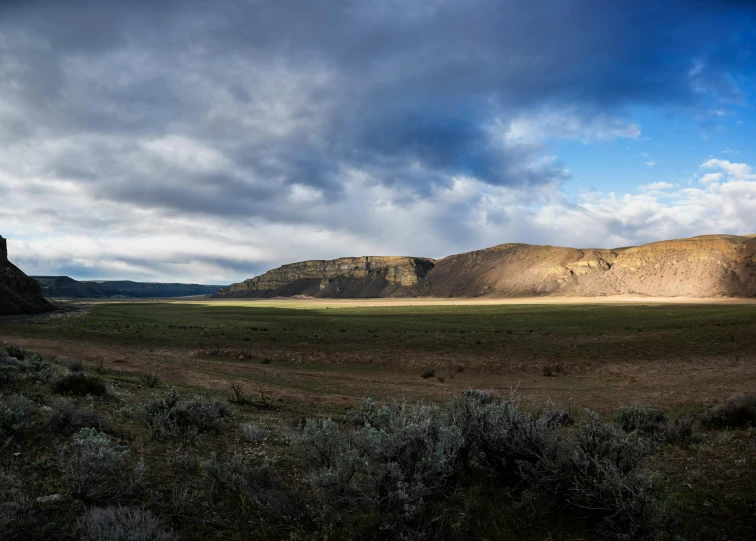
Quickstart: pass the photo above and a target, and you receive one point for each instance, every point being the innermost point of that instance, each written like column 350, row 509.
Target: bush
column 680, row 432
column 74, row 365
column 391, row 464
column 739, row 411
column 17, row 352
column 122, row 524
column 595, row 476
column 79, row 384
column 251, row 433
column 16, row 412
column 171, row 417
column 67, row 419
column 643, row 418
column 257, row 484
column 151, row 380
column 96, row 466
column 499, row 435
column 31, row 367
column 391, row 460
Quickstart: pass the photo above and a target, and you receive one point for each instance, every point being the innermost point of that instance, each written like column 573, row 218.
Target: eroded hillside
column 706, row 266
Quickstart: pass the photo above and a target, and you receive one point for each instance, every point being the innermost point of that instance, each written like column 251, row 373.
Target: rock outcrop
column 19, row 294
column 65, row 287
column 349, row 277
column 706, row 266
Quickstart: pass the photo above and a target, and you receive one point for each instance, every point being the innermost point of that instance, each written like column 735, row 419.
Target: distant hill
column 65, row 287
column 19, row 294
column 706, row 266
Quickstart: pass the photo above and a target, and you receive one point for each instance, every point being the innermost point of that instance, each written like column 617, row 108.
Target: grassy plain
column 331, row 353
column 321, row 357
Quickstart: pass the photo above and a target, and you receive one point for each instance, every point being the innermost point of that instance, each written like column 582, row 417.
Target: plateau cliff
column 19, row 294
column 706, row 266
column 349, row 277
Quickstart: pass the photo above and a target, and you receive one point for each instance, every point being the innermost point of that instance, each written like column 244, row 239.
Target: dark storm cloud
column 403, row 91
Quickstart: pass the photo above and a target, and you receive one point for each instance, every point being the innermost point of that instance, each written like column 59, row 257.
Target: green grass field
column 569, row 332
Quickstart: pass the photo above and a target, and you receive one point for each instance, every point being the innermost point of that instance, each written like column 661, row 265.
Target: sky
column 207, row 142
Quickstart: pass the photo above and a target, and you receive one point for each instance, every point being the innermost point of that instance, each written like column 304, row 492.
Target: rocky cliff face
column 708, row 266
column 19, row 294
column 369, row 276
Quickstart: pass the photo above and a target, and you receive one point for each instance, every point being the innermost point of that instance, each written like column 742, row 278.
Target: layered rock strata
column 347, row 277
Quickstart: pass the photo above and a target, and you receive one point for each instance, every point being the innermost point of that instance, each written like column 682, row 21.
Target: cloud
column 184, row 140
column 656, row 187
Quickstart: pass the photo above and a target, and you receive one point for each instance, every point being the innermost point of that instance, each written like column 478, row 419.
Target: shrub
column 552, row 369
column 643, row 418
column 681, row 431
column 79, row 384
column 738, row 411
column 96, row 466
column 595, row 476
column 251, row 433
column 74, row 365
column 40, row 369
column 10, row 368
column 258, row 484
column 31, row 367
column 391, row 460
column 17, row 352
column 16, row 413
column 67, row 419
column 171, row 417
column 151, row 380
column 122, row 524
column 499, row 435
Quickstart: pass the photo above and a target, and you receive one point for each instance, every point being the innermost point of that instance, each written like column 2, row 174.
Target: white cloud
column 739, row 171
column 535, row 128
column 656, row 187
column 370, row 218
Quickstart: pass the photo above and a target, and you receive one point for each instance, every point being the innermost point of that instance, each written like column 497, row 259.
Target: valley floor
column 321, row 356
